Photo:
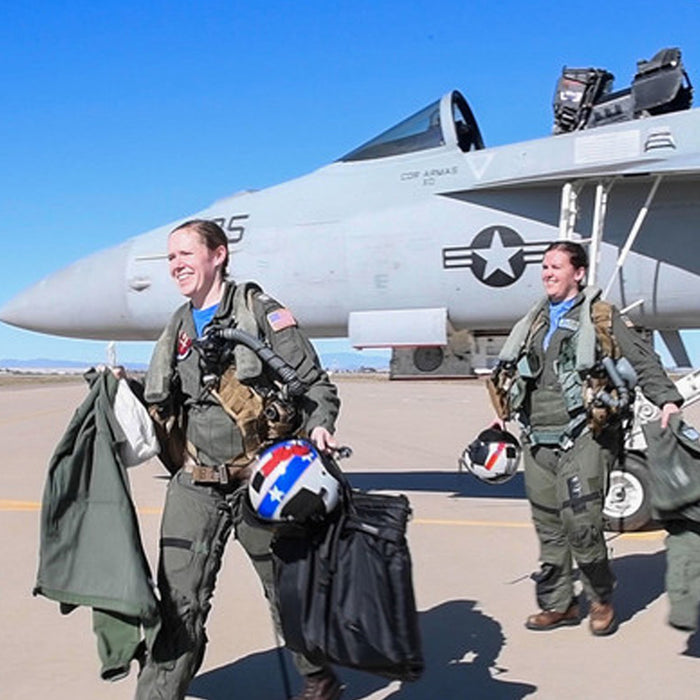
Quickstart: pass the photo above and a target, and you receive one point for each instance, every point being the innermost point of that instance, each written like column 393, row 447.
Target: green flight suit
column 674, row 464
column 683, row 573
column 566, row 466
column 90, row 550
column 199, row 518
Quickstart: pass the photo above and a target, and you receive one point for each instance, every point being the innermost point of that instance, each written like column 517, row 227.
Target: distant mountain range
column 44, row 364
column 354, row 361
column 332, row 361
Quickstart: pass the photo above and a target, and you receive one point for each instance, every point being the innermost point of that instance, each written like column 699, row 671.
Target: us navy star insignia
column 497, row 256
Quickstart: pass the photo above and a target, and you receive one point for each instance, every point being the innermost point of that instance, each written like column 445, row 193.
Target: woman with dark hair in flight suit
column 205, row 496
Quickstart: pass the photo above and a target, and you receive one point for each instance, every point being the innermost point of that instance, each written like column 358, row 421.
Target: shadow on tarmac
column 640, row 581
column 693, row 648
column 460, row 645
column 458, row 484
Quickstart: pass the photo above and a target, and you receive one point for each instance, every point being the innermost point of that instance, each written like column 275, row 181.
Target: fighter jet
column 423, row 237
column 425, row 240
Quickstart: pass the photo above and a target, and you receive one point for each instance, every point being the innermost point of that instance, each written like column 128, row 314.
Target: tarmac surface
column 472, row 545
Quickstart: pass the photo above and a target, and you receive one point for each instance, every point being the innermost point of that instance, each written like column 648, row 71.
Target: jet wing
column 686, row 166
column 666, row 145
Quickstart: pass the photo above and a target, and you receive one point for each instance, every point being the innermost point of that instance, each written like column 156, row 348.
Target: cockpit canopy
column 446, row 121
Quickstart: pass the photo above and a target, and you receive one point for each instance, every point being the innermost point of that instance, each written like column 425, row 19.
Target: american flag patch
column 281, row 319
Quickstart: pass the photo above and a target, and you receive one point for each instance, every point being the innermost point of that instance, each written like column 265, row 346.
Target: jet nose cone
column 14, row 312
column 84, row 300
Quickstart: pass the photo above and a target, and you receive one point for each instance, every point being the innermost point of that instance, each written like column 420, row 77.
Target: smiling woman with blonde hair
column 554, row 377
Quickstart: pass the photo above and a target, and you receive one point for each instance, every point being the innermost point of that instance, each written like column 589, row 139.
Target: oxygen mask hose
column 622, row 385
column 285, row 373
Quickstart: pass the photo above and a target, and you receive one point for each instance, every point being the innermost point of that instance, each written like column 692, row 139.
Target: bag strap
column 351, row 518
column 389, row 533
column 345, row 489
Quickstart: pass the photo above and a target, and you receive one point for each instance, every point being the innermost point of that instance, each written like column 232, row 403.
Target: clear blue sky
column 121, row 116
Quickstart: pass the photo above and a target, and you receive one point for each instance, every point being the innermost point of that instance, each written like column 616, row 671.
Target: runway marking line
column 651, row 535
column 20, row 506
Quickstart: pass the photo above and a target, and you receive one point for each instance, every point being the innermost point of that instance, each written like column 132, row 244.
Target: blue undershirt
column 557, row 310
column 201, row 318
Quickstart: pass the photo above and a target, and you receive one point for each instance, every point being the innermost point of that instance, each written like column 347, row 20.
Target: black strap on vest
column 579, row 503
column 176, row 542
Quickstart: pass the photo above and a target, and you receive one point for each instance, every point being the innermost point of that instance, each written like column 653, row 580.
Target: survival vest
column 236, row 388
column 582, row 378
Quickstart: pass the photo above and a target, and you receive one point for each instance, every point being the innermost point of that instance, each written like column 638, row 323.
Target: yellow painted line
column 653, row 535
column 19, row 506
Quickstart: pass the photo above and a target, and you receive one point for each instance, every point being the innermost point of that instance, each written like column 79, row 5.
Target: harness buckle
column 566, row 442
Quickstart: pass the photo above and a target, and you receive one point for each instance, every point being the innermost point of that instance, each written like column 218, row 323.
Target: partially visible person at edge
column 204, row 499
column 566, row 457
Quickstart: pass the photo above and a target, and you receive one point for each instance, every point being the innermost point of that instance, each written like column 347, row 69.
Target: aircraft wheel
column 428, row 359
column 627, row 504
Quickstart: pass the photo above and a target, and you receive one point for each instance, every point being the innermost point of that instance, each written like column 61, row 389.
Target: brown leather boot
column 602, row 619
column 551, row 619
column 323, row 685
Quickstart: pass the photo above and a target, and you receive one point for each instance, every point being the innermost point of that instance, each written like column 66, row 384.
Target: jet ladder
column 627, row 504
column 567, row 222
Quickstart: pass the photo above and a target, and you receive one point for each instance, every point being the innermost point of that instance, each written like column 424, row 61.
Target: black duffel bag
column 345, row 590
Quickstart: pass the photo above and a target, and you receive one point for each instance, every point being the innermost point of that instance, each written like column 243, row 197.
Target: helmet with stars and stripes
column 290, row 483
column 494, row 456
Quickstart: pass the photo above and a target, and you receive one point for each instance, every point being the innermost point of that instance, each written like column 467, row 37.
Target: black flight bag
column 345, row 590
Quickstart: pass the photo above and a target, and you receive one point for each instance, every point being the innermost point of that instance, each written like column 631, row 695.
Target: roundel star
column 497, row 256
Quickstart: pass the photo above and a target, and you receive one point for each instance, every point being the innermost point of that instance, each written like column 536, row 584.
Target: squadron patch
column 281, row 319
column 184, row 346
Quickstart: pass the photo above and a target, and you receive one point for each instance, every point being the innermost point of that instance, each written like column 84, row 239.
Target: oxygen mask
column 215, row 354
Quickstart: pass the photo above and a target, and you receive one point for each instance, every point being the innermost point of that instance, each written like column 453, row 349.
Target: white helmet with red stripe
column 494, row 456
column 290, row 483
